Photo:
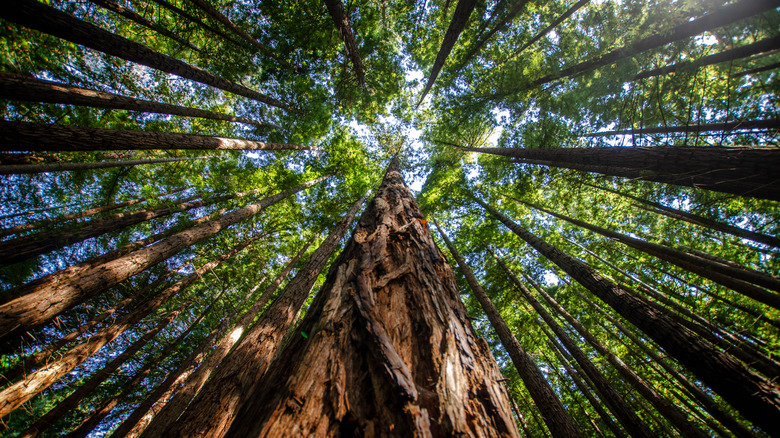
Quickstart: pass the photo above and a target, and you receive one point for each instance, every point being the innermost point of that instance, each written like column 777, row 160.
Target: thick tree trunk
column 756, row 397
column 763, row 125
column 623, row 412
column 35, row 15
column 558, row 420
column 459, row 20
column 17, row 394
column 28, row 88
column 737, row 279
column 674, row 415
column 214, row 409
column 168, row 414
column 23, row 136
column 43, row 301
column 742, row 170
column 386, row 346
column 340, row 19
column 138, row 19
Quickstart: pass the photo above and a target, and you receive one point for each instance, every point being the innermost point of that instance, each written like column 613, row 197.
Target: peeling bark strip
column 556, row 417
column 340, row 19
column 35, row 15
column 388, row 347
column 752, row 171
column 46, row 299
column 23, row 136
column 28, row 88
column 756, row 397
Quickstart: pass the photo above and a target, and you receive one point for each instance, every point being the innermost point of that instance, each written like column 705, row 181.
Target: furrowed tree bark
column 17, row 394
column 35, row 15
column 197, row 21
column 28, row 88
column 624, row 413
column 23, row 136
column 741, row 170
column 215, row 407
column 169, row 413
column 340, row 19
column 769, row 124
column 755, row 397
column 459, row 20
column 105, row 408
column 140, row 20
column 674, row 415
column 698, row 220
column 44, row 301
column 11, row 169
column 556, row 417
column 388, row 346
column 734, row 278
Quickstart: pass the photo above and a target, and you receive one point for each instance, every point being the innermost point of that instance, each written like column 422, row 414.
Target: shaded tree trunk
column 740, row 125
column 43, row 301
column 558, row 420
column 757, row 70
column 756, row 397
column 66, row 167
column 745, row 171
column 215, row 407
column 28, row 88
column 575, row 7
column 340, row 19
column 197, row 21
column 388, row 346
column 35, row 15
column 23, row 136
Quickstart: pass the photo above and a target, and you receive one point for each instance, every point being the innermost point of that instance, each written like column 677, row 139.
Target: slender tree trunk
column 23, row 136
column 674, row 415
column 35, row 15
column 624, row 413
column 459, row 20
column 753, row 71
column 17, row 394
column 741, row 125
column 67, row 167
column 698, row 220
column 340, row 19
column 186, row 394
column 138, row 19
column 742, row 170
column 388, row 348
column 576, row 7
column 197, row 21
column 735, row 279
column 28, row 88
column 558, row 420
column 756, row 397
column 215, row 407
column 44, row 301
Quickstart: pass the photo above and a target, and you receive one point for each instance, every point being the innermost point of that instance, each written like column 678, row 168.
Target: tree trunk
column 44, row 301
column 750, row 171
column 756, row 397
column 35, row 15
column 28, row 88
column 66, row 167
column 624, row 413
column 386, row 346
column 674, row 415
column 340, row 19
column 733, row 278
column 558, row 420
column 699, row 220
column 138, row 19
column 79, row 214
column 757, row 70
column 763, row 125
column 17, row 394
column 215, row 407
column 23, row 136
column 459, row 20
column 168, row 414
column 197, row 21
column 576, row 7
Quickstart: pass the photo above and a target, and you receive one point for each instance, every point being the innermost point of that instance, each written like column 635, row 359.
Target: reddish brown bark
column 27, row 88
column 19, row 169
column 340, row 19
column 557, row 419
column 25, row 136
column 43, row 301
column 35, row 15
column 756, row 397
column 388, row 347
